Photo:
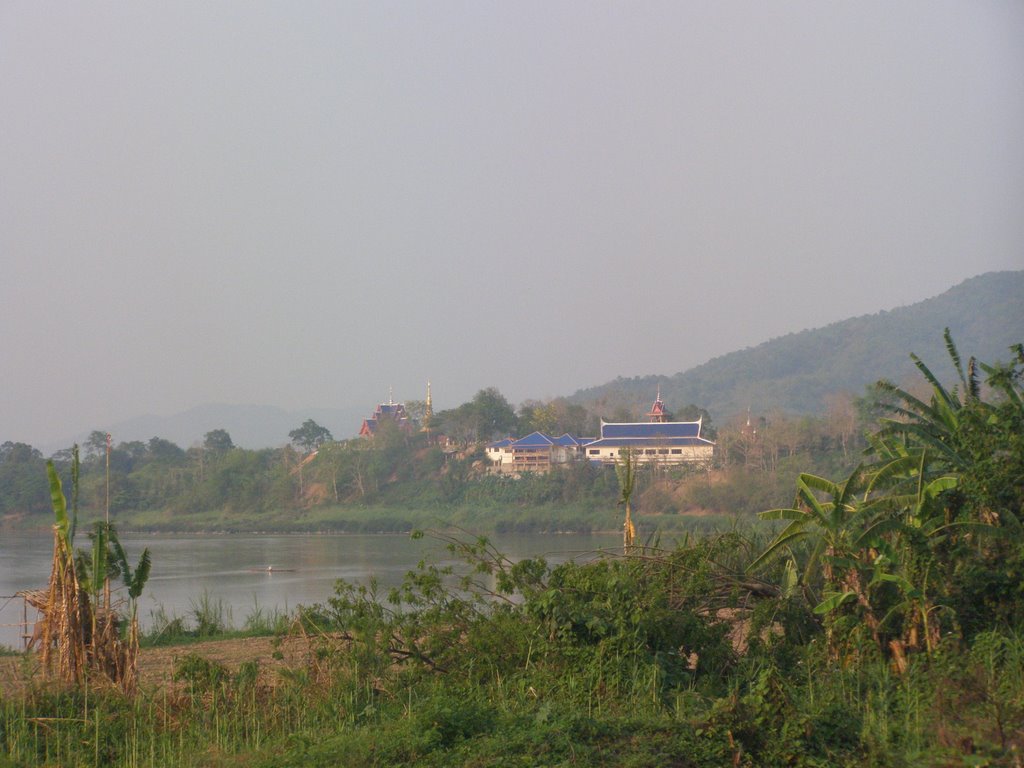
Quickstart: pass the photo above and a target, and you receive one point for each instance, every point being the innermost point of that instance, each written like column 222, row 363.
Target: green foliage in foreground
column 619, row 662
column 880, row 627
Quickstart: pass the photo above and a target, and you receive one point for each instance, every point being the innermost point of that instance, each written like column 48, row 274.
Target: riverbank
column 218, row 580
column 397, row 520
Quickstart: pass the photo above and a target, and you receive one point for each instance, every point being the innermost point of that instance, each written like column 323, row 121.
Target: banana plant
column 625, row 471
column 915, row 609
column 840, row 523
column 134, row 579
column 843, row 523
column 909, row 488
column 60, row 505
column 1007, row 378
column 932, row 426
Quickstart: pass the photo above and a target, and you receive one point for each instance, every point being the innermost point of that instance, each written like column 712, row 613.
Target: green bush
column 200, row 673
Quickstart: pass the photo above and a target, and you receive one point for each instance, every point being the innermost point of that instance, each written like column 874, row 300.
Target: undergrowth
column 623, row 661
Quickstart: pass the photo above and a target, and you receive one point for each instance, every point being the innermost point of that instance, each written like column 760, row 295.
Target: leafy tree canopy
column 95, row 444
column 18, row 453
column 164, row 450
column 218, row 441
column 310, row 435
column 494, row 414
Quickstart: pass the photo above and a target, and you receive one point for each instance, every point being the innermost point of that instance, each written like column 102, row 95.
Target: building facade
column 658, row 440
column 536, row 452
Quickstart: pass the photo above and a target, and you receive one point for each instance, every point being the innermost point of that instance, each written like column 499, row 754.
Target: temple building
column 389, row 411
column 657, row 440
column 658, row 412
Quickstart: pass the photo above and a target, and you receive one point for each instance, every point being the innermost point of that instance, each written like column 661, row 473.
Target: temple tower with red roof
column 658, row 412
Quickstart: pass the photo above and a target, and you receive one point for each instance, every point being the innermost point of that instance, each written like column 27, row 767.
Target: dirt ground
column 156, row 665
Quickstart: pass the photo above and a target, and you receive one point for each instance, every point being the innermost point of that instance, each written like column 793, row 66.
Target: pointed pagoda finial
column 658, row 412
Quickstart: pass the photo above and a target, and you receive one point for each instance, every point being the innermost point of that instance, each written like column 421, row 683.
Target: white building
column 657, row 440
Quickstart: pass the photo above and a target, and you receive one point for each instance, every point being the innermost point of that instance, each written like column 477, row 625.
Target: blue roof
column 647, row 430
column 539, row 440
column 661, row 442
column 533, row 440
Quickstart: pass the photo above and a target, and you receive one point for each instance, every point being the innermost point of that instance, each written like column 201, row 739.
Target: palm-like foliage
column 932, row 426
column 135, row 579
column 62, row 635
column 839, row 523
column 625, row 471
column 80, row 626
column 888, row 538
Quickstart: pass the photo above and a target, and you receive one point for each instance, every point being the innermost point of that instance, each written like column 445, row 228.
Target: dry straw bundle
column 80, row 627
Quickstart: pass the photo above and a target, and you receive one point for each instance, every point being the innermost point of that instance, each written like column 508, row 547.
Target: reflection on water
column 233, row 568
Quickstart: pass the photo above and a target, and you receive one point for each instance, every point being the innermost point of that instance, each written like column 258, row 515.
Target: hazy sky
column 302, row 204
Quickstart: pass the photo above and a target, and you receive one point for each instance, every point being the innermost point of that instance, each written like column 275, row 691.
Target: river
column 232, row 568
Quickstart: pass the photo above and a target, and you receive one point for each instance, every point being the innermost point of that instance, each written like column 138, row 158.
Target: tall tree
column 96, row 444
column 218, row 441
column 493, row 414
column 310, row 436
column 164, row 450
column 22, row 481
column 135, row 450
column 416, row 410
column 18, row 453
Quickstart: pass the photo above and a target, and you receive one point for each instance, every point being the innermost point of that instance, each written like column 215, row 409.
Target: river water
column 232, row 569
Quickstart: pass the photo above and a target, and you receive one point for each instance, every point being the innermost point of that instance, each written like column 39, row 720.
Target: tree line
column 758, row 455
column 394, row 467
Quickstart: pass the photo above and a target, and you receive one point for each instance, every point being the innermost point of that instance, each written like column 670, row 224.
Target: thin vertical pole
column 108, row 478
column 106, row 578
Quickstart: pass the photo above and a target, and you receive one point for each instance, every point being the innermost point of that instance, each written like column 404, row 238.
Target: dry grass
column 156, row 665
column 77, row 637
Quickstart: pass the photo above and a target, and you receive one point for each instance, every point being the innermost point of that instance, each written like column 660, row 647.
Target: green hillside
column 796, row 372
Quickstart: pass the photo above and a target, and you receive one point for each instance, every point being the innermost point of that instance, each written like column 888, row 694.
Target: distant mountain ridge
column 796, row 372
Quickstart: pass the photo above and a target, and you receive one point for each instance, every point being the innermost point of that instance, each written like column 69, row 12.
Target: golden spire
column 428, row 410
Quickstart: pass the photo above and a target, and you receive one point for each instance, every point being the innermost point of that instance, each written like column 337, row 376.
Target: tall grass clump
column 210, row 615
column 210, row 618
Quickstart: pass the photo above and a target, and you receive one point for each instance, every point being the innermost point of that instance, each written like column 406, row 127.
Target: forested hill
column 797, row 372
